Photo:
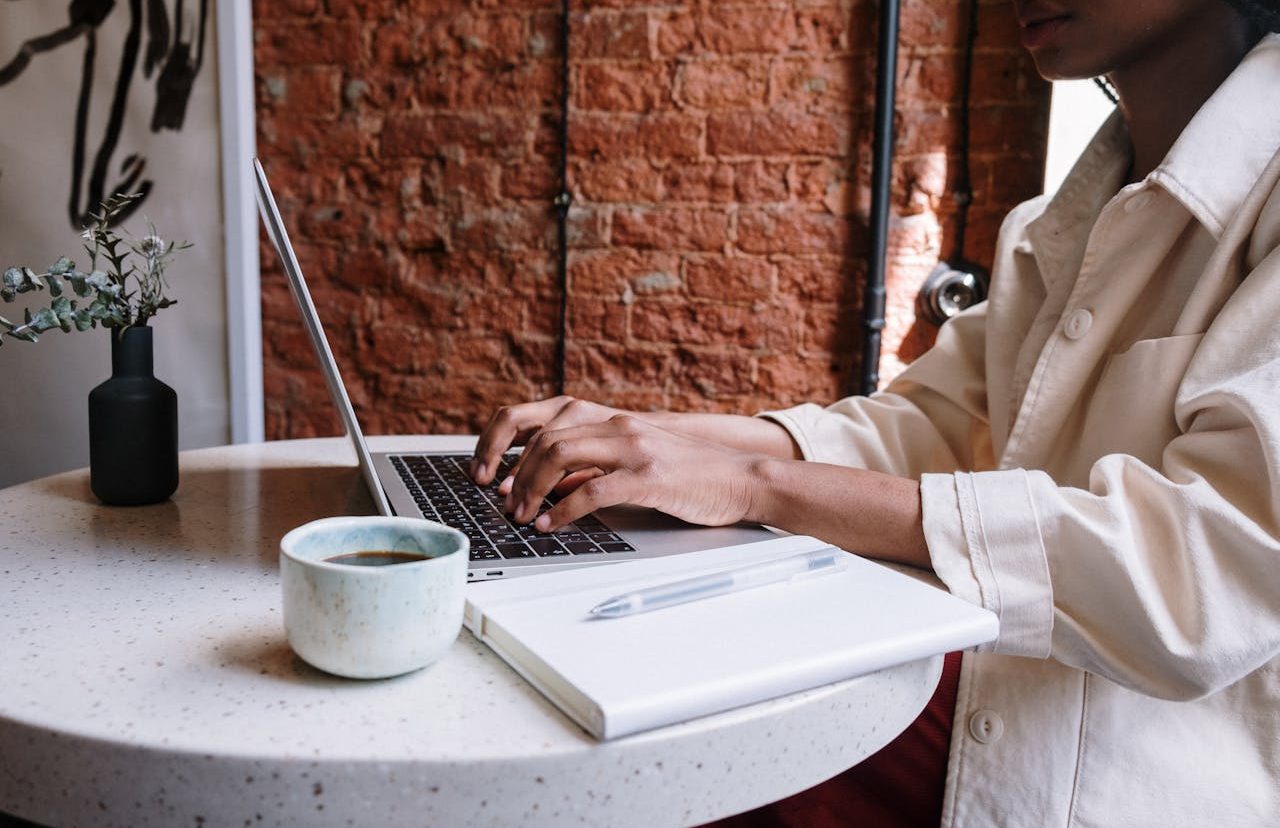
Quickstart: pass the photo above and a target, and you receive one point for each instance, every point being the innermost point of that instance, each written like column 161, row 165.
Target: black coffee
column 375, row 558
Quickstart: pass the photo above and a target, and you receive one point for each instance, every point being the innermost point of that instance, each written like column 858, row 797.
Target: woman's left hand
column 635, row 463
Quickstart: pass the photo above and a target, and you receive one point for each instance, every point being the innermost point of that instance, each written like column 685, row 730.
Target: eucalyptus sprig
column 128, row 290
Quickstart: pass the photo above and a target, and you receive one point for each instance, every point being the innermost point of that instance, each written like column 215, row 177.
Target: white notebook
column 618, row 676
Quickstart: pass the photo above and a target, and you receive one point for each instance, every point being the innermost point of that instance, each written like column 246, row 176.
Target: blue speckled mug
column 372, row 621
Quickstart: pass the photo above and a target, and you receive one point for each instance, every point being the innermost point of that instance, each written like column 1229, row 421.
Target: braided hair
column 1265, row 13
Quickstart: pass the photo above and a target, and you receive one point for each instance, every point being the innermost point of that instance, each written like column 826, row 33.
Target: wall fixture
column 957, row 283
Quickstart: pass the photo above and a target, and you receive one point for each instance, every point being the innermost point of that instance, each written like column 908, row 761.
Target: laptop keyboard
column 444, row 491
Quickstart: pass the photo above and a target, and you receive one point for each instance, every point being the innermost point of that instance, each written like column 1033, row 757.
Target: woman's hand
column 514, row 425
column 628, row 460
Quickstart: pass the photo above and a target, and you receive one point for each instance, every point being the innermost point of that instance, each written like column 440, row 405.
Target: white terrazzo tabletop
column 145, row 680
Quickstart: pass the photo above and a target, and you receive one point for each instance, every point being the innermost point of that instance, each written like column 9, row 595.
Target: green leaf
column 84, row 319
column 29, row 281
column 63, row 308
column 55, row 287
column 113, row 317
column 9, row 283
column 79, row 283
column 62, row 267
column 42, row 320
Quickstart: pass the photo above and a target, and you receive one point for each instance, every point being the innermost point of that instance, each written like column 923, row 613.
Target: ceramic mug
column 372, row 621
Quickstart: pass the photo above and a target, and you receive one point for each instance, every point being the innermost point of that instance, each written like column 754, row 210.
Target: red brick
column 727, row 31
column 760, row 181
column 696, row 324
column 644, row 87
column 776, row 132
column 723, row 84
column 474, row 86
column 932, row 23
column 717, row 374
column 829, row 279
column 316, row 42
column 825, row 85
column 601, row 320
column 631, row 136
column 610, row 272
column 414, row 135
column 674, row 229
column 618, row 179
column 610, row 35
column 731, row 278
column 285, row 9
column 698, row 182
column 791, row 230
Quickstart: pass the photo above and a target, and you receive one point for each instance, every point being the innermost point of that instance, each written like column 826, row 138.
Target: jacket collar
column 1210, row 170
column 1053, row 237
column 1219, row 157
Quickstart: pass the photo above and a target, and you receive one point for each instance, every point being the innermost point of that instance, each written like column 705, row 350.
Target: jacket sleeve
column 931, row 418
column 1163, row 577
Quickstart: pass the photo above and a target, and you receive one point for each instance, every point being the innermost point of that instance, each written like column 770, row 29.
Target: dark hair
column 1265, row 13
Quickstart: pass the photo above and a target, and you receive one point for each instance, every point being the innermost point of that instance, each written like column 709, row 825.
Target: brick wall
column 719, row 164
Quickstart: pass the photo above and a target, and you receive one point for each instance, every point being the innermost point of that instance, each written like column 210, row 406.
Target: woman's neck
column 1160, row 93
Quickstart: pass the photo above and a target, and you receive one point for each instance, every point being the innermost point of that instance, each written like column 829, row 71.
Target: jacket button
column 1078, row 324
column 986, row 726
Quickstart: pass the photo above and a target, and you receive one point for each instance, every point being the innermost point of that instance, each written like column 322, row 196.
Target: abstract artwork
column 168, row 39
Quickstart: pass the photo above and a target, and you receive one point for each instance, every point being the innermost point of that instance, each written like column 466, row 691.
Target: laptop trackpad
column 652, row 532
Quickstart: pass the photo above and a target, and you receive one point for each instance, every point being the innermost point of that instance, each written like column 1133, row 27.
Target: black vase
column 133, row 427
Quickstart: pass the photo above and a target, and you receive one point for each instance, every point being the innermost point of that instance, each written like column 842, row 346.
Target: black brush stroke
column 177, row 78
column 115, row 122
column 157, row 35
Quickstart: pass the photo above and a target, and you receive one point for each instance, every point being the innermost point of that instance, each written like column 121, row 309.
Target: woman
column 1093, row 454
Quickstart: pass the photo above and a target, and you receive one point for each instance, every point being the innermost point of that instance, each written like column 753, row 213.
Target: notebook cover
column 625, row 675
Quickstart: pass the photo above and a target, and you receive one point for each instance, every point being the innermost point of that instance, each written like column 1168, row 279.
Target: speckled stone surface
column 145, row 680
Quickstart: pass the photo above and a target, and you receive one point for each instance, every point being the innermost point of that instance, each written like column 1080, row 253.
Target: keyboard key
column 547, row 546
column 488, row 554
column 620, row 546
column 515, row 550
column 582, row 547
column 605, row 537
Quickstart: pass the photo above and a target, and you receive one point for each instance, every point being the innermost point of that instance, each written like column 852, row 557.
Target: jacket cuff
column 794, row 420
column 985, row 544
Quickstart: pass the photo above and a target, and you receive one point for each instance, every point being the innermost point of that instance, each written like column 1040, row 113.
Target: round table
column 146, row 680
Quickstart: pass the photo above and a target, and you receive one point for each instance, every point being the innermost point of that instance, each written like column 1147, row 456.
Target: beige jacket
column 1099, row 455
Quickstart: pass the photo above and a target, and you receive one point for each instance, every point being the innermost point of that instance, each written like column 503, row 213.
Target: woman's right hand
column 516, row 425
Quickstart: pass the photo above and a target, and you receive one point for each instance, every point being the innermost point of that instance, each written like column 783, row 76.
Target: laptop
column 438, row 486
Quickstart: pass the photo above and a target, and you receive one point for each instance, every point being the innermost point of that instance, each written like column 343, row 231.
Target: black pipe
column 562, row 201
column 881, row 183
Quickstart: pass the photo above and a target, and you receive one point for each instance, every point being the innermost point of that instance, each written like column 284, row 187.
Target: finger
column 509, row 425
column 552, row 455
column 609, row 489
column 575, row 479
column 566, row 485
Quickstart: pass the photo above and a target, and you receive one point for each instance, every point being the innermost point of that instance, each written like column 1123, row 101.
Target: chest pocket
column 1131, row 409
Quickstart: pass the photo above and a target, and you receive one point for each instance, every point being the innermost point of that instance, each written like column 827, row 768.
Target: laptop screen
column 298, row 287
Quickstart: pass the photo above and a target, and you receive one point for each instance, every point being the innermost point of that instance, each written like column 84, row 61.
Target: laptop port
column 494, row 573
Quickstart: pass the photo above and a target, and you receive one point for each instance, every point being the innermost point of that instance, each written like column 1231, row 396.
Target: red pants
column 899, row 787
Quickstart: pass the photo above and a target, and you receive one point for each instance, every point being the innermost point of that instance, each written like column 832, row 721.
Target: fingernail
column 543, row 523
column 505, row 486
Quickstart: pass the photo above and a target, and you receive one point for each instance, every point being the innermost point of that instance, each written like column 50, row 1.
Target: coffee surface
column 375, row 557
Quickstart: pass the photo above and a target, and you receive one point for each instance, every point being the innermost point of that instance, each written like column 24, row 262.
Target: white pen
column 718, row 583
